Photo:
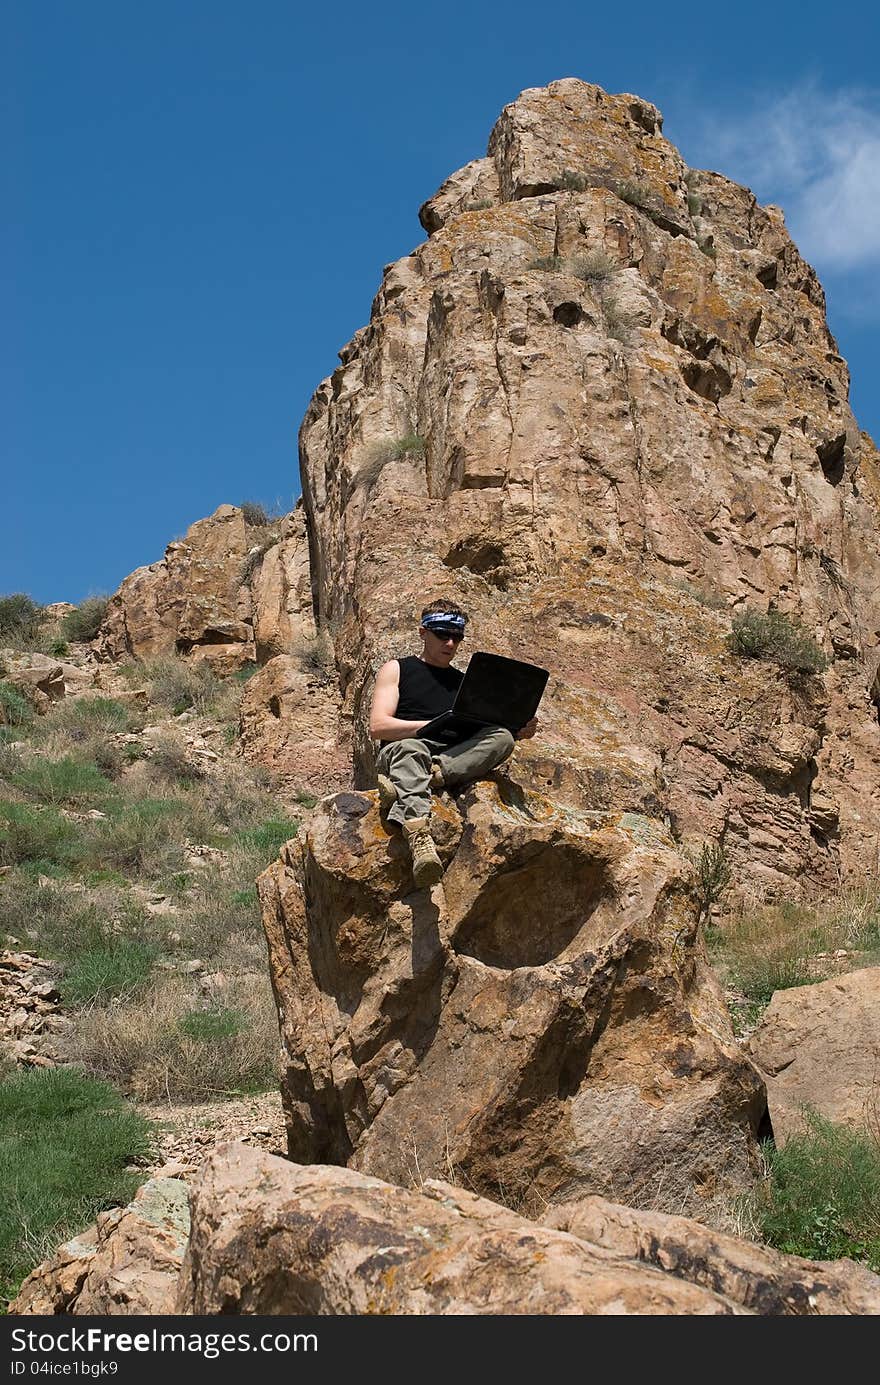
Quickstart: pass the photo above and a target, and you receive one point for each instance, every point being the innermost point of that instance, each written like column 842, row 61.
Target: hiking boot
column 387, row 794
column 426, row 864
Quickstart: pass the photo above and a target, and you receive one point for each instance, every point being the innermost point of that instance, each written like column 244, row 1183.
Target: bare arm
column 384, row 725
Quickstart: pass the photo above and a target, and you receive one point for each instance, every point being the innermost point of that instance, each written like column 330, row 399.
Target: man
column 409, row 693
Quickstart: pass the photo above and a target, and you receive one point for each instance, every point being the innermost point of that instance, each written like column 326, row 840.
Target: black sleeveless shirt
column 425, row 691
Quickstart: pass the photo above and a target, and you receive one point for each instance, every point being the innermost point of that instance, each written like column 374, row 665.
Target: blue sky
column 203, row 195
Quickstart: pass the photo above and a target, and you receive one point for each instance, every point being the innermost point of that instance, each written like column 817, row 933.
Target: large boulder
column 544, row 1022
column 601, row 407
column 128, row 1262
column 272, row 1237
column 819, row 1048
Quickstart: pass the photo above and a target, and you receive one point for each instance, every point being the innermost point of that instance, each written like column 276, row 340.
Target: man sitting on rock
column 409, row 693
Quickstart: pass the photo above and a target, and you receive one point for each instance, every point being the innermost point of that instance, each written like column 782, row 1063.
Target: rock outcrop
column 229, row 592
column 601, row 407
column 272, row 1237
column 128, row 1262
column 819, row 1047
column 544, row 1022
column 290, row 722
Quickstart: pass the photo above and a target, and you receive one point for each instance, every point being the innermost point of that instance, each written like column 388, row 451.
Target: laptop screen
column 500, row 691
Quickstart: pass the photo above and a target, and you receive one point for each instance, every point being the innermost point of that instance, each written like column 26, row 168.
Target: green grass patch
column 29, row 833
column 821, row 1198
column 211, row 1025
column 270, row 836
column 67, row 781
column 65, row 1143
column 114, row 969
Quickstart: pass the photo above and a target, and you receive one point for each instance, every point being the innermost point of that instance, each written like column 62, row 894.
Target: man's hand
column 526, row 732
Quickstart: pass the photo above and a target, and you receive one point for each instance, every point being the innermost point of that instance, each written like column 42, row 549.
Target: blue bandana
column 443, row 623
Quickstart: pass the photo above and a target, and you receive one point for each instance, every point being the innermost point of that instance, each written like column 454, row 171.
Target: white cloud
column 817, row 155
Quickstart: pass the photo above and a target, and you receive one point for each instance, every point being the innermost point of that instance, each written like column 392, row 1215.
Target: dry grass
column 768, row 948
column 150, row 1047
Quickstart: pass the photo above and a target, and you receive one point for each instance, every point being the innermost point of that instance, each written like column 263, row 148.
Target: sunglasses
column 449, row 635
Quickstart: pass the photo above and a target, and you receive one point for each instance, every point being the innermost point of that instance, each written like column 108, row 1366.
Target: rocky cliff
column 601, row 407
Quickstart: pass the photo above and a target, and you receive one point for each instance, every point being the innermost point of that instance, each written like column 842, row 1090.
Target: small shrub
column 316, row 653
column 20, row 618
column 713, row 876
column 255, row 515
column 83, row 623
column 482, row 205
column 695, row 203
column 82, row 717
column 708, row 248
column 618, row 323
column 569, row 181
column 777, row 639
column 410, row 445
column 179, row 684
column 146, row 836
column 169, row 762
column 15, row 710
column 118, row 968
column 595, row 267
column 821, row 1198
column 58, row 648
column 634, row 194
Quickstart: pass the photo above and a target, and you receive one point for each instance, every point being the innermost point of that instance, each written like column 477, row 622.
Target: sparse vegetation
column 595, row 267
column 619, row 324
column 83, row 623
column 482, row 205
column 761, row 949
column 713, row 876
column 154, row 1048
column 67, row 1145
column 255, row 515
column 15, row 710
column 778, row 639
column 20, row 618
column 180, row 684
column 821, row 1196
column 569, row 181
column 633, row 193
column 316, row 653
column 707, row 245
column 551, row 263
column 255, row 557
column 695, row 203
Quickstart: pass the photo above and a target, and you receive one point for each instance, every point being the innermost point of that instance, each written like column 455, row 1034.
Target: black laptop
column 494, row 692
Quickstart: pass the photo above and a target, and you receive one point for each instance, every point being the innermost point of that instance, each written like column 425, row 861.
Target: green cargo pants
column 408, row 765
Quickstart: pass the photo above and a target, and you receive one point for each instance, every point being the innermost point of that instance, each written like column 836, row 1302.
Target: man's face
column 439, row 649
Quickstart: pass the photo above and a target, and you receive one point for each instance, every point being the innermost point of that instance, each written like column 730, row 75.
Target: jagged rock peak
column 601, row 407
